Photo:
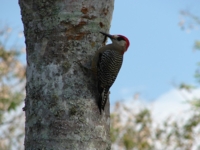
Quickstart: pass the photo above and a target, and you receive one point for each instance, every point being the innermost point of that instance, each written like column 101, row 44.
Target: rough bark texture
column 60, row 105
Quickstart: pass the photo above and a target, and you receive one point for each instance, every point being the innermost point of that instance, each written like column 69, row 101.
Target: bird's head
column 118, row 40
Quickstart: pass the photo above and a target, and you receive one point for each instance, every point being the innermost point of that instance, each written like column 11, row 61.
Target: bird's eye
column 120, row 38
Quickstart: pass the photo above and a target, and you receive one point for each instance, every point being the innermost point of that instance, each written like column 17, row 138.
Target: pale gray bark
column 60, row 107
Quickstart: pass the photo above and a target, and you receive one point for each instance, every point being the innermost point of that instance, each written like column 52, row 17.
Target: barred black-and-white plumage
column 107, row 71
column 106, row 65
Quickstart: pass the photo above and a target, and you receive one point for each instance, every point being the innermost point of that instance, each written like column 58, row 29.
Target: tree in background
column 133, row 128
column 191, row 22
column 12, row 75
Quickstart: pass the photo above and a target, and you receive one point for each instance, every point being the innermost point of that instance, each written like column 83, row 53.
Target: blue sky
column 160, row 53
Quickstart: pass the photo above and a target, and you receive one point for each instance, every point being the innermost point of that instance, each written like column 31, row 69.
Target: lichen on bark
column 60, row 103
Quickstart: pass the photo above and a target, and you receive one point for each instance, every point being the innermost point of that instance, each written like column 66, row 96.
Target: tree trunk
column 60, row 105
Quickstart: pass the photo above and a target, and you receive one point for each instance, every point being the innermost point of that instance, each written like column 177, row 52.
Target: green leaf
column 197, row 45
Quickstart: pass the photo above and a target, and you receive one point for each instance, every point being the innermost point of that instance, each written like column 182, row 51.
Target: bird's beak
column 107, row 35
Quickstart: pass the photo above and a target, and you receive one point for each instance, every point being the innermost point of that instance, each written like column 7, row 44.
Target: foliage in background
column 192, row 22
column 12, row 79
column 189, row 22
column 133, row 128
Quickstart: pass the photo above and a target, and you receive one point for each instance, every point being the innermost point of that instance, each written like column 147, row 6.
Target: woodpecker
column 107, row 63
